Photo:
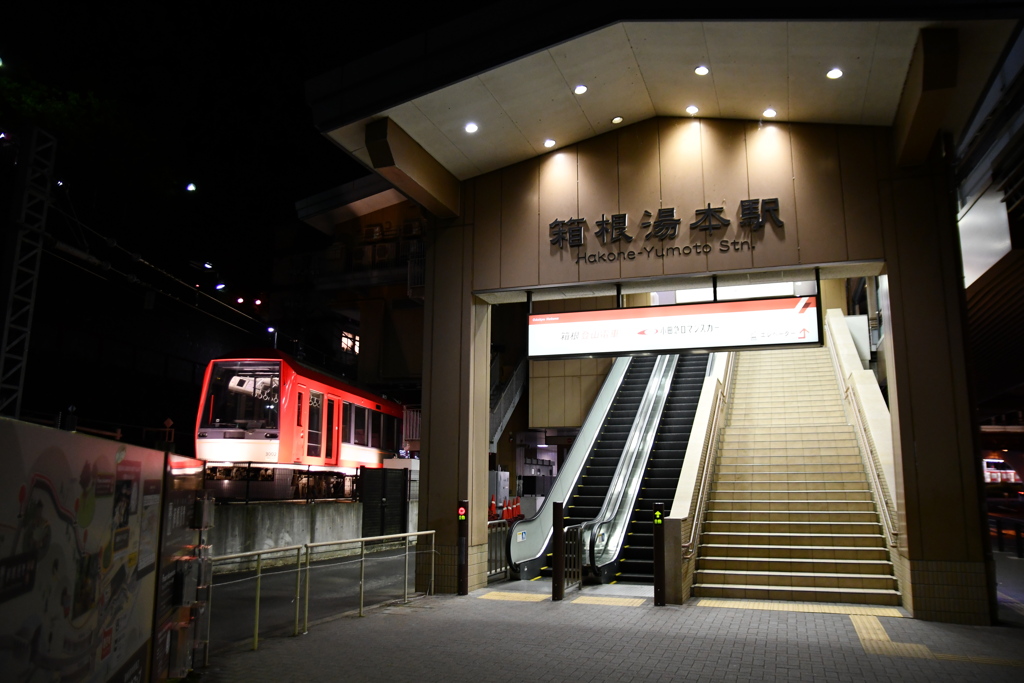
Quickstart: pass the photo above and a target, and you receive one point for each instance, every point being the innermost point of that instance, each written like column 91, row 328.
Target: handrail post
column 405, row 587
column 256, row 624
column 298, row 587
column 209, row 621
column 558, row 556
column 433, row 540
column 362, row 573
column 305, row 622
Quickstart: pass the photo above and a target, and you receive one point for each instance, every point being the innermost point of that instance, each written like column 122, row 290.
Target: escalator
column 590, row 466
column 592, row 486
column 661, row 476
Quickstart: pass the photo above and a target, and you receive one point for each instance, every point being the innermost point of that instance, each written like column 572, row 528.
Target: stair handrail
column 629, row 472
column 520, row 552
column 709, row 457
column 868, row 453
column 510, row 395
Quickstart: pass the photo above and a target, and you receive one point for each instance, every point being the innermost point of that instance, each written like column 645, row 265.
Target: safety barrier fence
column 998, row 524
column 497, row 557
column 342, row 552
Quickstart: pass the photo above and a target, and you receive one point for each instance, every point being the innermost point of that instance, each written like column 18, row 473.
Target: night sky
column 145, row 99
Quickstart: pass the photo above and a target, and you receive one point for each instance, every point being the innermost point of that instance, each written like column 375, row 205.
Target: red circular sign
column 462, row 511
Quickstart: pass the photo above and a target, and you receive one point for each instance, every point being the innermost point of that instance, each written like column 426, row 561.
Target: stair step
column 797, row 564
column 794, row 579
column 781, row 551
column 862, row 596
column 790, row 538
column 792, row 527
column 786, row 515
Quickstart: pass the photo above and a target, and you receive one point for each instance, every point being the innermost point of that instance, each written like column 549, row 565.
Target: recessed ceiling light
column 549, row 143
column 471, row 127
column 701, row 70
column 691, row 110
column 580, row 89
column 191, row 187
column 835, row 73
column 617, row 119
column 769, row 113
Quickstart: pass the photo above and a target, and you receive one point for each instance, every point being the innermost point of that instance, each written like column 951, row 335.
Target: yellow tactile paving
column 875, row 641
column 515, row 597
column 620, row 602
column 810, row 607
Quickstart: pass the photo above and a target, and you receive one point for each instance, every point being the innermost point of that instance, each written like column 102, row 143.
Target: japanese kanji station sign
column 616, row 236
column 718, row 326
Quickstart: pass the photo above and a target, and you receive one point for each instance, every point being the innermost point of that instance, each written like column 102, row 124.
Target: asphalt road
column 334, row 590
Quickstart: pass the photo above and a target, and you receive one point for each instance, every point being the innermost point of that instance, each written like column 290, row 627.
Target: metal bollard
column 558, row 554
column 999, row 534
column 256, row 621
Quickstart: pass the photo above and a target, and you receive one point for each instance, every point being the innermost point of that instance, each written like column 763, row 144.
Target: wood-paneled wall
column 825, row 178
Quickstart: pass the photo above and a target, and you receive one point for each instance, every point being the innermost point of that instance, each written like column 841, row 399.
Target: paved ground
column 513, row 632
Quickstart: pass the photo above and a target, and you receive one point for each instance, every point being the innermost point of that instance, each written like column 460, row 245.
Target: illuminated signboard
column 787, row 321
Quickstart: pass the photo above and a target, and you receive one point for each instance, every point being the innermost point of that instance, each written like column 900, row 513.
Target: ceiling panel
column 667, row 55
column 604, row 62
column 749, row 62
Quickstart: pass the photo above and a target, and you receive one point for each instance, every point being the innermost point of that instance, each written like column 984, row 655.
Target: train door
column 332, row 430
column 301, row 422
column 315, row 428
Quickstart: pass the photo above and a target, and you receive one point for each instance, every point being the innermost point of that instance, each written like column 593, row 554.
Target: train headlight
column 201, row 435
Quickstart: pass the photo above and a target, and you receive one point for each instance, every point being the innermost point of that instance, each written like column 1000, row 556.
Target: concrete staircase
column 790, row 514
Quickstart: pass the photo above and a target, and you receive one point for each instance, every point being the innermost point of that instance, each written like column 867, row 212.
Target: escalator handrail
column 618, row 504
column 535, row 544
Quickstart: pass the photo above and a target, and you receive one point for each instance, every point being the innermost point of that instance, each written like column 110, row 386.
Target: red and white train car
column 272, row 410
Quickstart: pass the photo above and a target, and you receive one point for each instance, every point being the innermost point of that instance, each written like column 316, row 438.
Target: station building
column 661, row 176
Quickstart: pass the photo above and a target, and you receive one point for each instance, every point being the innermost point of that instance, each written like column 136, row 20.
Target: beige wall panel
column 572, row 367
column 598, row 195
column 467, row 204
column 540, row 387
column 833, row 295
column 682, row 187
column 770, row 168
column 538, row 368
column 556, row 368
column 588, row 366
column 724, row 158
column 819, row 194
column 604, row 365
column 558, row 201
column 520, row 230
column 487, row 230
column 639, row 191
column 556, row 402
column 589, row 386
column 860, row 193
column 573, row 408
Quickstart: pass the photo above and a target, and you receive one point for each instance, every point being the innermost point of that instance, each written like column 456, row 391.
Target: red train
column 272, row 410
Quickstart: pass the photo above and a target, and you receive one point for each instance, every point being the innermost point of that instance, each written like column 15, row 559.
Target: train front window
column 242, row 394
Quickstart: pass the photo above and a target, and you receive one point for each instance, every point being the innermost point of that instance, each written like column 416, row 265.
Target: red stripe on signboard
column 665, row 311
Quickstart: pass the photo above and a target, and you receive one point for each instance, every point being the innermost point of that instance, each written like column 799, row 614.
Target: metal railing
column 510, row 396
column 709, row 458
column 303, row 554
column 997, row 522
column 574, row 556
column 869, row 455
column 497, row 543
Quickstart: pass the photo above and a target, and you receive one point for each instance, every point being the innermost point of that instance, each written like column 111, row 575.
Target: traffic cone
column 492, row 512
column 505, row 509
column 515, row 509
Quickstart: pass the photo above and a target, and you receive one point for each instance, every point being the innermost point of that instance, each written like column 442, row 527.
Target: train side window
column 298, row 411
column 347, row 419
column 375, row 428
column 359, row 431
column 329, row 450
column 316, row 424
column 388, row 440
